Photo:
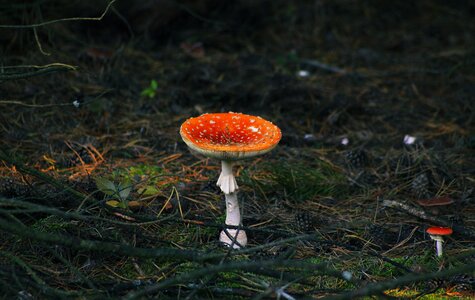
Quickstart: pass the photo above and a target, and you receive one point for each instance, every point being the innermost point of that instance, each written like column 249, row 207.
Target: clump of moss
column 297, row 181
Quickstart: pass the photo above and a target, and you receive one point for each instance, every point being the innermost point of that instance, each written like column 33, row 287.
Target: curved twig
column 62, row 20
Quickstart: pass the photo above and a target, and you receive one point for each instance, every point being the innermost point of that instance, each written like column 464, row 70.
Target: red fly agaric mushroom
column 230, row 137
column 437, row 233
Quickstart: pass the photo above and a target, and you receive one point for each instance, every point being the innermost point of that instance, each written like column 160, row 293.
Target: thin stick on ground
column 303, row 265
column 62, row 20
column 428, row 217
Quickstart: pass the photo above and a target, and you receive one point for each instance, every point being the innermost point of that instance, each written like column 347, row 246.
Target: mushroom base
column 241, row 238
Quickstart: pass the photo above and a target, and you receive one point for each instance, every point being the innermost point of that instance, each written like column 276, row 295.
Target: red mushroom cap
column 230, row 136
column 439, row 230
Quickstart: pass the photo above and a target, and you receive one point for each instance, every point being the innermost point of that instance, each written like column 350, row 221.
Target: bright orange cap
column 439, row 230
column 230, row 136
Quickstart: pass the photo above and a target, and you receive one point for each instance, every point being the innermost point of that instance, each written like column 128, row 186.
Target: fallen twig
column 303, row 265
column 62, row 20
column 38, row 70
column 323, row 66
column 104, row 247
column 416, row 212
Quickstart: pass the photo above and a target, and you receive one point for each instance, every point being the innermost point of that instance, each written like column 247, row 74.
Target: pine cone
column 463, row 282
column 82, row 155
column 22, row 190
column 11, row 188
column 7, row 187
column 420, row 185
column 434, row 284
column 356, row 158
column 304, row 221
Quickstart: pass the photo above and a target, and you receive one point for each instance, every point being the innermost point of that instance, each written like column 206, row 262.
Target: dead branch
column 37, row 71
column 62, row 20
column 104, row 247
column 303, row 265
column 416, row 212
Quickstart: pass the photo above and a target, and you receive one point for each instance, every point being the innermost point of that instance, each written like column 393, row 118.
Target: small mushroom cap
column 438, row 201
column 230, row 136
column 439, row 231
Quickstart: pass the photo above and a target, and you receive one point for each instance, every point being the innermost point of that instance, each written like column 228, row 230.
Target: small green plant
column 118, row 193
column 151, row 91
column 146, row 178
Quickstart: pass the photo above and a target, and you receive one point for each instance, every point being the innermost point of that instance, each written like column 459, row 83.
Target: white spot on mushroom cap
column 253, row 129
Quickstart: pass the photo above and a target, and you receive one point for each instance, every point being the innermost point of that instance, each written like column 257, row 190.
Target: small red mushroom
column 230, row 137
column 437, row 233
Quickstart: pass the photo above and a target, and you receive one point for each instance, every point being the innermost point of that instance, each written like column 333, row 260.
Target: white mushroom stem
column 226, row 180
column 438, row 244
column 227, row 183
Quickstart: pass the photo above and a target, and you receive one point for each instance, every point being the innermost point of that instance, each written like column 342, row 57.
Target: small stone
column 303, row 73
column 409, row 140
column 347, row 275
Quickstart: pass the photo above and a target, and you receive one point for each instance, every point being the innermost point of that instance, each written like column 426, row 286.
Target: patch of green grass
column 228, row 280
column 297, row 181
column 130, row 271
column 440, row 294
column 385, row 269
column 51, row 224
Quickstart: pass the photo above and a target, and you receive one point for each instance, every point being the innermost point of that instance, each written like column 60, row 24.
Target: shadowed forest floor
column 99, row 196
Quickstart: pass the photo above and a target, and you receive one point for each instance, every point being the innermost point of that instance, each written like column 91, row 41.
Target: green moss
column 51, row 224
column 297, row 181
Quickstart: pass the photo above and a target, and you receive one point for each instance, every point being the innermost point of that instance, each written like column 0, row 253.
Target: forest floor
column 100, row 197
